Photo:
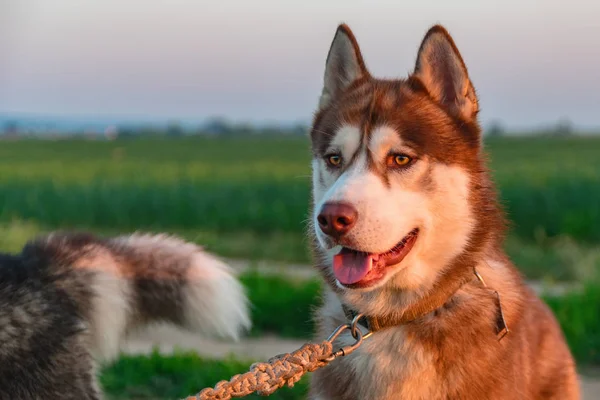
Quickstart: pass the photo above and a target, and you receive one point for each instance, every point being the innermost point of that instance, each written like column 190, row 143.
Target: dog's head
column 396, row 169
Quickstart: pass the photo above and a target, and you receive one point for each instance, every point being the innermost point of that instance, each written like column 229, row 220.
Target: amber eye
column 334, row 160
column 398, row 160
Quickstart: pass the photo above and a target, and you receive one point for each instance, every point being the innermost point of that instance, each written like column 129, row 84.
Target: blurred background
column 191, row 117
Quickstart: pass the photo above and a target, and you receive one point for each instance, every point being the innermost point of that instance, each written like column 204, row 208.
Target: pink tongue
column 350, row 267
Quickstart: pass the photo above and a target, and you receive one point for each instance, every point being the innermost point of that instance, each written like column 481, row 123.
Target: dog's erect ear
column 344, row 65
column 443, row 72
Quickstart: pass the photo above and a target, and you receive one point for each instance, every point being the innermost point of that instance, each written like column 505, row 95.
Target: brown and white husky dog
column 408, row 231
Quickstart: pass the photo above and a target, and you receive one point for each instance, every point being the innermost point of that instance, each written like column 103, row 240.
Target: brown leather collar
column 446, row 288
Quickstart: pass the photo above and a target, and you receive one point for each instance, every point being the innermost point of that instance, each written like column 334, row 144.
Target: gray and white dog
column 69, row 299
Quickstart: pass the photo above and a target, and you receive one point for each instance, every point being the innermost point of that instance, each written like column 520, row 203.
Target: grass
column 154, row 377
column 578, row 316
column 281, row 305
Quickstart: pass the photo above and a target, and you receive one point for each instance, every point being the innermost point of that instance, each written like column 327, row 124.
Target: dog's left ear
column 443, row 72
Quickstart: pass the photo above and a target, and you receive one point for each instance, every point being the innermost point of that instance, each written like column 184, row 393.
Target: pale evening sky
column 531, row 61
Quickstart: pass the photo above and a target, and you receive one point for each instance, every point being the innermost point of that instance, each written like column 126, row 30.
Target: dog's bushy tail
column 123, row 283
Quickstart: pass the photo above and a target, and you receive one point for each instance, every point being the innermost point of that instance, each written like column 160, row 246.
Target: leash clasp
column 356, row 333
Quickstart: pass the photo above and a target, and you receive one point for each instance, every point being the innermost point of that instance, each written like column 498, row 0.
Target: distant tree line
column 224, row 128
column 562, row 128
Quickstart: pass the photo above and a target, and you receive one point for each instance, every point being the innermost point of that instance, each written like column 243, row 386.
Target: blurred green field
column 248, row 197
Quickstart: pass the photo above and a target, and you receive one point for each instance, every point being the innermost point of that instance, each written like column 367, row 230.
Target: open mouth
column 357, row 269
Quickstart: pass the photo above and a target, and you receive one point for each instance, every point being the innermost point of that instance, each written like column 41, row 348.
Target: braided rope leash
column 265, row 378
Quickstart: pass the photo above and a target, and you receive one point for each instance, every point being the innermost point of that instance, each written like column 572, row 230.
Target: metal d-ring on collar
column 356, row 333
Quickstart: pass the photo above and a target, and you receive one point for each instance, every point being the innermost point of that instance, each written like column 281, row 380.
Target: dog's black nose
column 336, row 219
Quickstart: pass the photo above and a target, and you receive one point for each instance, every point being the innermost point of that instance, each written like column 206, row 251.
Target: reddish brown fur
column 466, row 360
